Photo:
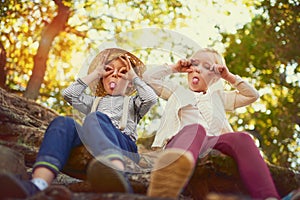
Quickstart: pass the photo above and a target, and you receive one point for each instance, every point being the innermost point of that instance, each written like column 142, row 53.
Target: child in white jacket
column 195, row 121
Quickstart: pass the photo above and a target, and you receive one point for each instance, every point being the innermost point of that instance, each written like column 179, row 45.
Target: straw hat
column 106, row 56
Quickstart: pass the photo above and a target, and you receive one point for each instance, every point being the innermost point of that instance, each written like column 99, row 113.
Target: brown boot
column 13, row 187
column 104, row 177
column 170, row 174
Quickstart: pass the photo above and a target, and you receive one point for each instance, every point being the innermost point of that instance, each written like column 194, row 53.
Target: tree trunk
column 40, row 59
column 2, row 66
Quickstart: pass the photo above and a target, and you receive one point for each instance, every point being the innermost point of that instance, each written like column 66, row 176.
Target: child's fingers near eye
column 123, row 59
column 181, row 62
column 185, row 63
column 128, row 61
column 189, row 70
column 218, row 68
column 123, row 70
column 108, row 68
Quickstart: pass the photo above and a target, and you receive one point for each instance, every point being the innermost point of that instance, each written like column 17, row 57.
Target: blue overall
column 97, row 133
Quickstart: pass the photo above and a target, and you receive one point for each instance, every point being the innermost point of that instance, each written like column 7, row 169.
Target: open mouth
column 195, row 80
column 112, row 85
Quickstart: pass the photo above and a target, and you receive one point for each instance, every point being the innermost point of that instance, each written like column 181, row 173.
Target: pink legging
column 240, row 146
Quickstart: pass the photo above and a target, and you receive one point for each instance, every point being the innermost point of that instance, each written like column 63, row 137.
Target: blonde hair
column 218, row 58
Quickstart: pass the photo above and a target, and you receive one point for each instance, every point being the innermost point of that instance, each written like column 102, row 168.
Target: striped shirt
column 112, row 106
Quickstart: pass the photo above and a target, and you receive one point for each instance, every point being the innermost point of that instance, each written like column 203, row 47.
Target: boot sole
column 10, row 187
column 104, row 178
column 171, row 173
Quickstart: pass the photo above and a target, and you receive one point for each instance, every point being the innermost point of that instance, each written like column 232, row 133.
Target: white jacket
column 187, row 107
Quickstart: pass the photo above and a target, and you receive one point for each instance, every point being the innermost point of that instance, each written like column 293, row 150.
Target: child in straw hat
column 108, row 131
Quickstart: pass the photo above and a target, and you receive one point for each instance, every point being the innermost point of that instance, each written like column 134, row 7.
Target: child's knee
column 95, row 116
column 196, row 129
column 62, row 121
column 243, row 138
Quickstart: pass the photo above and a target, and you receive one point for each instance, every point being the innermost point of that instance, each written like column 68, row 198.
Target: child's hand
column 99, row 72
column 221, row 69
column 182, row 65
column 224, row 72
column 128, row 73
column 102, row 70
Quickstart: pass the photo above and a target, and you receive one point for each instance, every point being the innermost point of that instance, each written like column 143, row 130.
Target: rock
column 54, row 192
column 12, row 162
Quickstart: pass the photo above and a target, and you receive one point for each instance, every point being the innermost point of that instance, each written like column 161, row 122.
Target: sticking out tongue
column 112, row 85
column 195, row 80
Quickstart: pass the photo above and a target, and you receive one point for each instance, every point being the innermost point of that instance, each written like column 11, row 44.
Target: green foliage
column 267, row 50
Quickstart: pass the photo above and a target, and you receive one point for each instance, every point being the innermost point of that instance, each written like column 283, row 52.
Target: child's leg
column 101, row 137
column 108, row 144
column 253, row 169
column 60, row 137
column 190, row 138
column 175, row 164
